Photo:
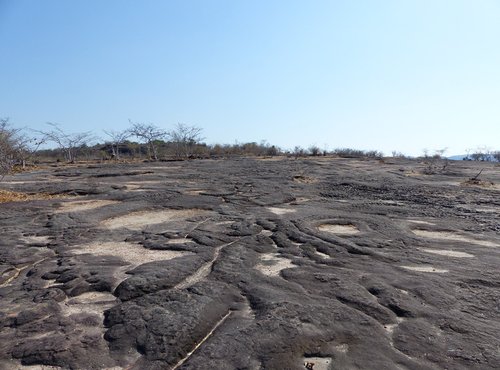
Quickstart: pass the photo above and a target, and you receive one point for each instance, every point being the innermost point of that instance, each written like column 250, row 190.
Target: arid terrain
column 251, row 264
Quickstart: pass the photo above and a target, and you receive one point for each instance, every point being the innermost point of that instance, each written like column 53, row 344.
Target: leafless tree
column 150, row 134
column 8, row 144
column 15, row 147
column 185, row 138
column 496, row 155
column 481, row 154
column 117, row 139
column 68, row 143
column 314, row 150
column 298, row 152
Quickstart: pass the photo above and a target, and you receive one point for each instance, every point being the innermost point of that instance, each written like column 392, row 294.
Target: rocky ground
column 252, row 264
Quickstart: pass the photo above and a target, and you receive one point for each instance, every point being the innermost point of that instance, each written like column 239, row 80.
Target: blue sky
column 389, row 75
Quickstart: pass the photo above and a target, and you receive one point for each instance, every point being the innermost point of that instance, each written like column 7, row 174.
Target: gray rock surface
column 252, row 264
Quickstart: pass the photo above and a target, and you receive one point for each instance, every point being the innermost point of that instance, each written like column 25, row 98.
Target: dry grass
column 14, row 196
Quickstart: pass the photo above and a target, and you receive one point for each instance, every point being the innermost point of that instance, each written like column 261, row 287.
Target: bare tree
column 150, row 134
column 314, row 150
column 185, row 138
column 15, row 147
column 481, row 154
column 298, row 152
column 68, row 143
column 8, row 143
column 117, row 139
column 496, row 155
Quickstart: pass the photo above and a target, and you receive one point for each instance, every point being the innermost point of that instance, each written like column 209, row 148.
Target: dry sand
column 280, row 211
column 272, row 264
column 446, row 235
column 425, row 269
column 138, row 220
column 134, row 254
column 339, row 229
column 448, row 253
column 83, row 205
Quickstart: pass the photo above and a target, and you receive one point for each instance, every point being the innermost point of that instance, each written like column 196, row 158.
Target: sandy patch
column 280, row 211
column 194, row 192
column 448, row 253
column 134, row 254
column 488, row 210
column 339, row 229
column 221, row 223
column 178, row 241
column 89, row 303
column 272, row 264
column 317, row 363
column 138, row 220
column 83, row 205
column 322, row 255
column 421, row 222
column 34, row 239
column 446, row 235
column 301, row 179
column 425, row 269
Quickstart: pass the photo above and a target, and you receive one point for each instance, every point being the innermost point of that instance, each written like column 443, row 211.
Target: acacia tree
column 117, row 139
column 148, row 133
column 184, row 138
column 68, row 143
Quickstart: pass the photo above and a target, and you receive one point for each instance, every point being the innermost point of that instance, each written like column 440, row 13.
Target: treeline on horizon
column 21, row 146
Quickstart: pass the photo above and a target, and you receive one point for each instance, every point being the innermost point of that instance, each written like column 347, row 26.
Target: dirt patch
column 91, row 302
column 421, row 222
column 447, row 235
column 179, row 241
column 339, row 229
column 301, row 179
column 448, row 253
column 34, row 239
column 134, row 254
column 425, row 269
column 478, row 182
column 272, row 264
column 322, row 255
column 138, row 220
column 83, row 205
column 280, row 211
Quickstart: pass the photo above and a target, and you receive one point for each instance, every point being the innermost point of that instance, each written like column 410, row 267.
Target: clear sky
column 383, row 74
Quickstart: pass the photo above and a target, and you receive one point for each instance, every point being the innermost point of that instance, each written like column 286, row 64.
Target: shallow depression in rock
column 83, row 205
column 448, row 253
column 339, row 229
column 272, row 264
column 447, row 235
column 430, row 269
column 137, row 220
column 132, row 253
